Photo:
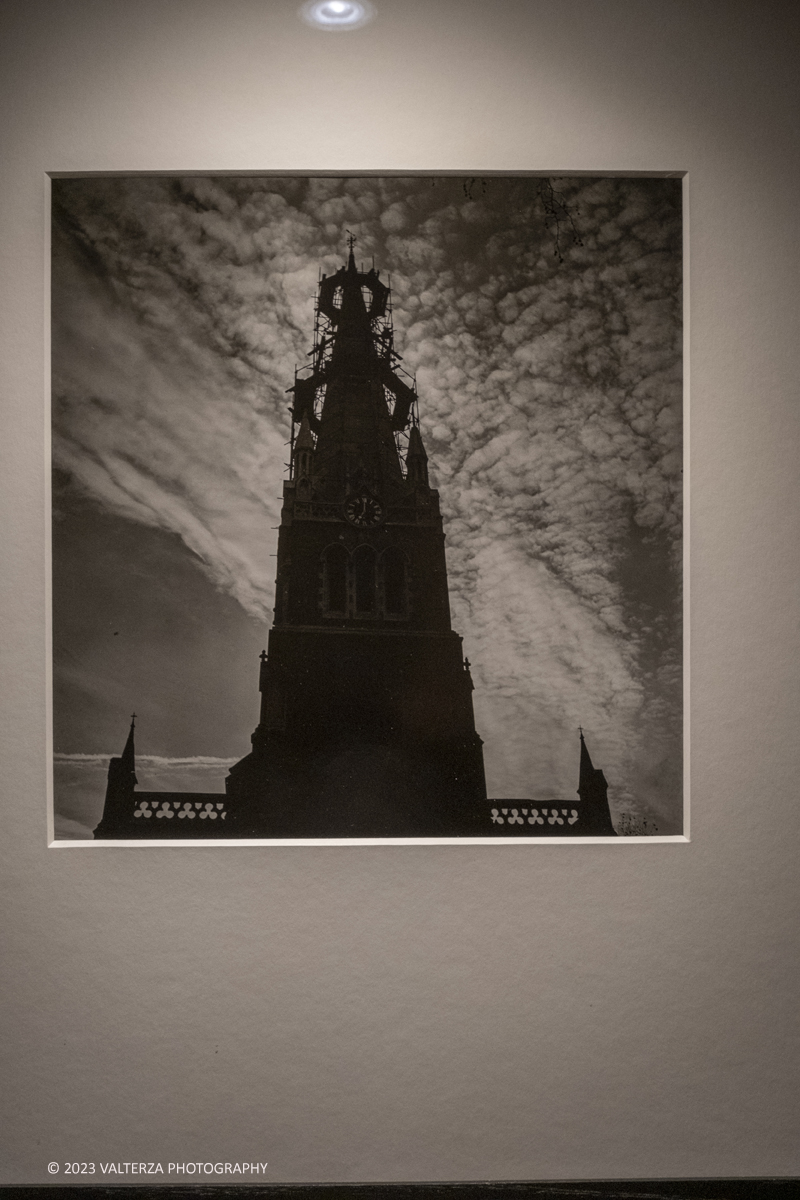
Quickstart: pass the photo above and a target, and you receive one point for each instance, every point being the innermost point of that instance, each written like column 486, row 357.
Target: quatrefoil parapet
column 539, row 815
column 166, row 809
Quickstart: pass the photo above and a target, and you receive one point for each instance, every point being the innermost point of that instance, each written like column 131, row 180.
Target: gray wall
column 442, row 1012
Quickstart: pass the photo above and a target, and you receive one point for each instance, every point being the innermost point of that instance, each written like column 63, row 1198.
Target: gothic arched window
column 394, row 582
column 364, row 578
column 335, row 579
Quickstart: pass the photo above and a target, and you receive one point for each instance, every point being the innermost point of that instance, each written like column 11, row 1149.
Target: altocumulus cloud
column 550, row 400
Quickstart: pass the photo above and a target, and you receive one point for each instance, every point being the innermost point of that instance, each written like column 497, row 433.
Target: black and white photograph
column 367, row 507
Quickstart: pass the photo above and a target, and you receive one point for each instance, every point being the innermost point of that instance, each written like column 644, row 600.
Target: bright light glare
column 333, row 15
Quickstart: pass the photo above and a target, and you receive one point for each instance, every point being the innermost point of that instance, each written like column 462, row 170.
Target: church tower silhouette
column 366, row 725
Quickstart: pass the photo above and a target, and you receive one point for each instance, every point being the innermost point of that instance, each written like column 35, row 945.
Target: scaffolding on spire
column 312, row 379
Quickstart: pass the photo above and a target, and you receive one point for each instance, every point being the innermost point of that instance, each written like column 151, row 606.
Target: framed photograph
column 367, row 508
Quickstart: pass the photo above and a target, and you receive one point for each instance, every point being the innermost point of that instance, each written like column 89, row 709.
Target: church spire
column 354, row 398
column 354, row 351
column 366, row 704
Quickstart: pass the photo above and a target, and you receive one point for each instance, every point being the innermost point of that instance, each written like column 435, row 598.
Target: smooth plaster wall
column 446, row 1012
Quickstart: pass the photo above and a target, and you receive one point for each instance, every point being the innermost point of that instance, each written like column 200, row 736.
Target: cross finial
column 580, row 730
column 351, row 241
column 133, row 717
column 263, row 656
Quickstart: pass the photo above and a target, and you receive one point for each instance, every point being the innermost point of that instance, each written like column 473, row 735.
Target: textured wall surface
column 429, row 1012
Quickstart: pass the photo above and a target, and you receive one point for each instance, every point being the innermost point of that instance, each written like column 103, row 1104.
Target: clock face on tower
column 363, row 510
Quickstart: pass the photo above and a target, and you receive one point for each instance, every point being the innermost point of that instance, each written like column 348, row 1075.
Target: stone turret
column 120, row 788
column 416, row 458
column 593, row 792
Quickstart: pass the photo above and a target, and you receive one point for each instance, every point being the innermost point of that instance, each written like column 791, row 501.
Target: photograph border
column 234, row 843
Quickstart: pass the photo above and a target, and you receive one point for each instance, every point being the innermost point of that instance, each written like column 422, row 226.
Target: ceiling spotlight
column 337, row 15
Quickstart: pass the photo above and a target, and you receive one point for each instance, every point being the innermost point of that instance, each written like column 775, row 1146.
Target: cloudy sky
column 549, row 374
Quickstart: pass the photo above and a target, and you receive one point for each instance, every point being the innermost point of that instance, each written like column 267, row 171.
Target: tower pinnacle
column 120, row 787
column 128, row 757
column 593, row 792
